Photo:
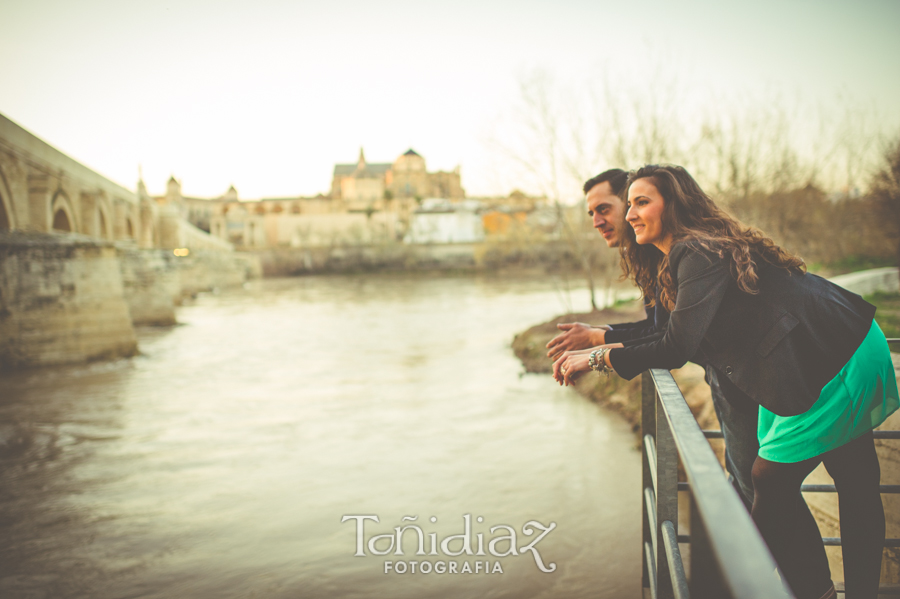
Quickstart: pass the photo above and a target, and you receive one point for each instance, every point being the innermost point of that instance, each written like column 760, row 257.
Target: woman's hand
column 572, row 364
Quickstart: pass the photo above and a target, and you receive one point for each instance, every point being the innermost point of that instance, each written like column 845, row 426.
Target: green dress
column 861, row 396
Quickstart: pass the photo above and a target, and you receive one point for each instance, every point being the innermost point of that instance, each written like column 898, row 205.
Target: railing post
column 706, row 580
column 648, row 427
column 666, row 496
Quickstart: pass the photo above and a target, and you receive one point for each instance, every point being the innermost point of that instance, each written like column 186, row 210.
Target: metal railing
column 728, row 557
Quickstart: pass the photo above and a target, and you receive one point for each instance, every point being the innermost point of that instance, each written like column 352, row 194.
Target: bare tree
column 548, row 149
column 773, row 160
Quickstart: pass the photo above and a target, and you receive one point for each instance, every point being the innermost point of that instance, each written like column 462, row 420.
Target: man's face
column 607, row 211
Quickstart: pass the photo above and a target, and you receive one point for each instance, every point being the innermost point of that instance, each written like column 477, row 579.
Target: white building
column 439, row 221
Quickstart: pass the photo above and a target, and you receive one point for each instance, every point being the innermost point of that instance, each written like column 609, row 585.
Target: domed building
column 405, row 178
column 361, row 183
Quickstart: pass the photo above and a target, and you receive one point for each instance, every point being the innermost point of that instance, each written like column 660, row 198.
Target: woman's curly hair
column 690, row 214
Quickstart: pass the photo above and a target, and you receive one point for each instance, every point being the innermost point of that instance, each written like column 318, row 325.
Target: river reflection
column 220, row 462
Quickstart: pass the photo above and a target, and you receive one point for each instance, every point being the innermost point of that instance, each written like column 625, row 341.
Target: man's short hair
column 616, row 177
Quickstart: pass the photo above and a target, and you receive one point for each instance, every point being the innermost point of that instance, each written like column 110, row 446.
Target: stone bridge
column 83, row 260
column 43, row 190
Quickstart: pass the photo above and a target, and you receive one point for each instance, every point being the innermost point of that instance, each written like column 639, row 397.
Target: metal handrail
column 885, row 489
column 714, row 434
column 728, row 556
column 718, row 568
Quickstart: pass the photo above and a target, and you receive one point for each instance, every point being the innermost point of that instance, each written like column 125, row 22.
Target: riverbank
column 489, row 255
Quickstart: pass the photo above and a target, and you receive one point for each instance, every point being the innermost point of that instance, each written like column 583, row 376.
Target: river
column 222, row 460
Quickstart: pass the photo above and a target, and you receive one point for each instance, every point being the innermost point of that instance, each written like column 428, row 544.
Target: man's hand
column 575, row 336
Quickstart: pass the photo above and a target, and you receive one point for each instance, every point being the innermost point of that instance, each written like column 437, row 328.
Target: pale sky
column 269, row 95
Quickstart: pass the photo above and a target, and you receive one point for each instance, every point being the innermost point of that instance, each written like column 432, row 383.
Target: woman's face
column 645, row 209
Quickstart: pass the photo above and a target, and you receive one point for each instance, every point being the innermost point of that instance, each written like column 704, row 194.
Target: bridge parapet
column 176, row 232
column 44, row 190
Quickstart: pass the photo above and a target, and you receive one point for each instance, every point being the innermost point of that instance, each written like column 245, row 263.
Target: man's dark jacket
column 780, row 346
column 631, row 332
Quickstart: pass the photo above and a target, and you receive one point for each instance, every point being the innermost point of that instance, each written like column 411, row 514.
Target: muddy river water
column 247, row 451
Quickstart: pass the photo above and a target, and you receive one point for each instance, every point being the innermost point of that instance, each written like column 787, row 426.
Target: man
column 604, row 195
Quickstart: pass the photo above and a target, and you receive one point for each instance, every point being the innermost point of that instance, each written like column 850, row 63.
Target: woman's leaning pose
column 807, row 351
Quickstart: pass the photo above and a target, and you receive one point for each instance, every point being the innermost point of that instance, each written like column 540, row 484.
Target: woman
column 807, row 351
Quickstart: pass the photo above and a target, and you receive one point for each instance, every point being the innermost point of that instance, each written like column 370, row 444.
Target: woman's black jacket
column 779, row 346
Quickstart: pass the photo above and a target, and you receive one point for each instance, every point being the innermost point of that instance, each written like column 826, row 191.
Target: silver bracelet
column 601, row 361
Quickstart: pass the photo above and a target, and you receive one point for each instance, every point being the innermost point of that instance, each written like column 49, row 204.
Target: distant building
column 369, row 184
column 503, row 214
column 369, row 202
column 361, row 182
column 438, row 220
column 271, row 222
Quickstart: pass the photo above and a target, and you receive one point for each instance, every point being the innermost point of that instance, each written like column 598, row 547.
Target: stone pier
column 61, row 301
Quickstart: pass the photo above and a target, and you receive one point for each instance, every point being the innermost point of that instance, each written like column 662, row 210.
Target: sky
column 268, row 95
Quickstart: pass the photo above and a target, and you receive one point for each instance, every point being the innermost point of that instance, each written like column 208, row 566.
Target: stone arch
column 4, row 220
column 104, row 221
column 102, row 224
column 129, row 227
column 61, row 221
column 62, row 217
column 7, row 217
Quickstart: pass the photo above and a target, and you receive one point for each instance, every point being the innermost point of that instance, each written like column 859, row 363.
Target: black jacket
column 779, row 346
column 630, row 332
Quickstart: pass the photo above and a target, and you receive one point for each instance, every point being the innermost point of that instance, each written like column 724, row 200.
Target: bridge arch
column 104, row 220
column 4, row 219
column 7, row 216
column 61, row 214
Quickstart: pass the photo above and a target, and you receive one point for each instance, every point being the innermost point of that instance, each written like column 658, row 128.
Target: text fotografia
column 504, row 542
column 442, row 567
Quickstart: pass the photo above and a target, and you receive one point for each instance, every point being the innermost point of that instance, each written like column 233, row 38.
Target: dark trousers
column 738, row 416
